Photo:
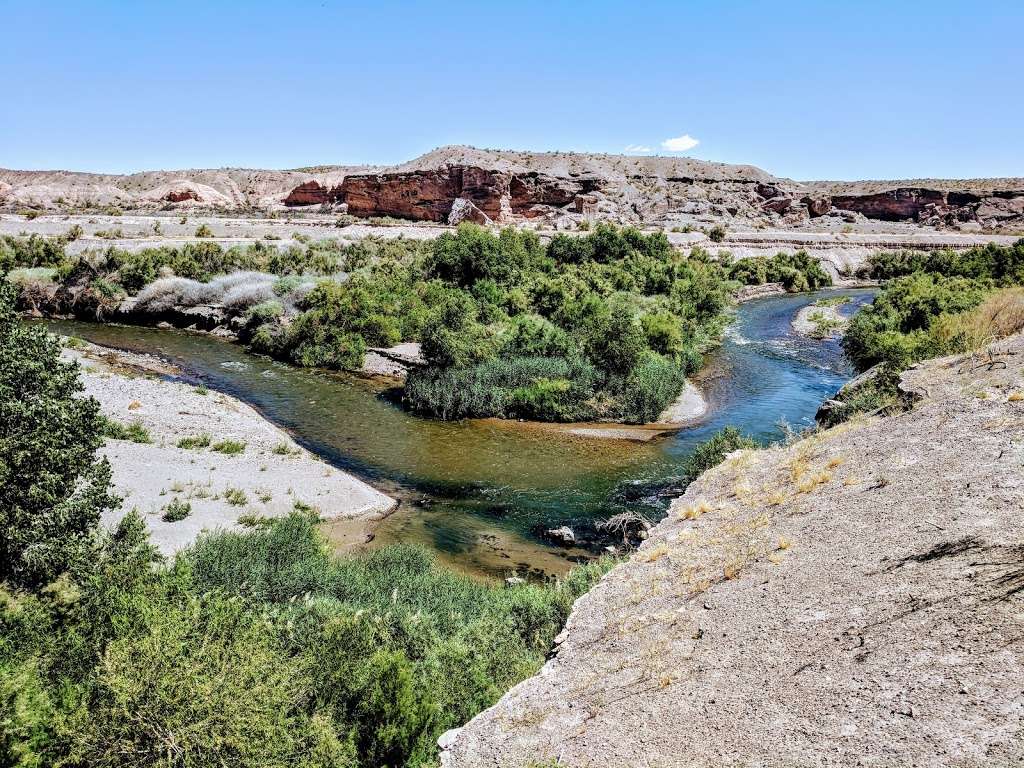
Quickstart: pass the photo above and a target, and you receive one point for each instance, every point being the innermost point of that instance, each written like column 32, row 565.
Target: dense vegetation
column 796, row 271
column 601, row 326
column 249, row 649
column 933, row 304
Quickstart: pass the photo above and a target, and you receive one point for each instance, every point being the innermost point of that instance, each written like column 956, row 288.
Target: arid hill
column 553, row 189
column 852, row 599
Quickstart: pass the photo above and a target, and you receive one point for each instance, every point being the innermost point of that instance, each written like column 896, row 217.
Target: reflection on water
column 476, row 490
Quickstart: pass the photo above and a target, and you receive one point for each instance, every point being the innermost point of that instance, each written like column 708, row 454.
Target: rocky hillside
column 851, row 599
column 552, row 188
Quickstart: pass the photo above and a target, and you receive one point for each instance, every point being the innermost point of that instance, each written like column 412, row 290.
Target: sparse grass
column 283, row 449
column 204, row 231
column 235, row 497
column 265, row 496
column 200, row 390
column 808, row 482
column 193, row 442
column 824, row 325
column 73, row 342
column 134, row 432
column 832, row 301
column 253, row 520
column 1015, row 397
column 176, row 510
column 229, row 447
column 654, row 553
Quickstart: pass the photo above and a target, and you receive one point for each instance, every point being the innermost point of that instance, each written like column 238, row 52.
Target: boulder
column 465, row 210
column 562, row 535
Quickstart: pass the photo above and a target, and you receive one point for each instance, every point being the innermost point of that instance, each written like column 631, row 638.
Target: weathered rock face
column 940, row 207
column 181, row 195
column 556, row 189
column 894, row 205
column 430, row 195
column 421, row 195
column 309, row 193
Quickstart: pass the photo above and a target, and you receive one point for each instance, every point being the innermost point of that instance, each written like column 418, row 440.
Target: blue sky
column 813, row 90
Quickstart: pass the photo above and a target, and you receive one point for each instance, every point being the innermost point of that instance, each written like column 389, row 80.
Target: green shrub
column 229, row 447
column 204, row 231
column 52, row 487
column 796, row 271
column 195, row 441
column 176, row 510
column 894, row 329
column 134, row 431
column 235, row 497
column 712, row 452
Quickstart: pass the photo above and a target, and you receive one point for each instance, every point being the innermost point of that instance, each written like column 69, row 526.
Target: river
column 477, row 492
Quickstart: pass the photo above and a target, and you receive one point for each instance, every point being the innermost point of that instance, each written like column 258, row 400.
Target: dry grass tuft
column 999, row 316
column 654, row 553
column 1015, row 397
column 694, row 511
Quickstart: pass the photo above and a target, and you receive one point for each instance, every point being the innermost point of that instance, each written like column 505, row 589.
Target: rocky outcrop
column 309, row 193
column 851, row 599
column 181, row 195
column 988, row 205
column 554, row 189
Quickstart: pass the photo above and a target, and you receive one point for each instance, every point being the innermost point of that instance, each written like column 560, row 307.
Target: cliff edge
column 854, row 598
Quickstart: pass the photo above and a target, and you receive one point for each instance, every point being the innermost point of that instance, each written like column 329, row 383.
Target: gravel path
column 267, row 477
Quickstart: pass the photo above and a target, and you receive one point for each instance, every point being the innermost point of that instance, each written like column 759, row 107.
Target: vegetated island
column 603, row 326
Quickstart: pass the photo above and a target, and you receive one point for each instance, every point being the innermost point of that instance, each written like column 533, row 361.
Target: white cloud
column 636, row 149
column 680, row 143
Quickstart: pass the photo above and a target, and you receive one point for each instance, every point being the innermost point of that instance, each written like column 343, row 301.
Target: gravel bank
column 267, row 477
column 819, row 321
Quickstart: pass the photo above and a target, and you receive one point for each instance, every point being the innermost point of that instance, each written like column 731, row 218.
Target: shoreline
column 269, row 476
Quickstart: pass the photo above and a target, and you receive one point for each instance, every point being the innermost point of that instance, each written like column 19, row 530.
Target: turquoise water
column 479, row 491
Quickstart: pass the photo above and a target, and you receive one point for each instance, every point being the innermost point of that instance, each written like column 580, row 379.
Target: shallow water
column 477, row 491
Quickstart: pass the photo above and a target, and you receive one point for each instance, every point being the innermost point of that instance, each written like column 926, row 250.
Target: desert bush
column 229, row 447
column 895, row 328
column 52, row 486
column 193, row 442
column 176, row 510
column 134, row 431
column 796, row 271
column 712, row 452
column 1003, row 264
column 203, row 231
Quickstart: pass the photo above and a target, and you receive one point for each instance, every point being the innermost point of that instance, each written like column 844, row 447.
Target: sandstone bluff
column 553, row 188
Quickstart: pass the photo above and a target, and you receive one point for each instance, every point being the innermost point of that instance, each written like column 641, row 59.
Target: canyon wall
column 552, row 189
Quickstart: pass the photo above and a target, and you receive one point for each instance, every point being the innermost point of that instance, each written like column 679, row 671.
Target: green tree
column 52, row 487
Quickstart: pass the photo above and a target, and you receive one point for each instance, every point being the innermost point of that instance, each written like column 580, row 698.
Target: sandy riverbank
column 267, row 478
